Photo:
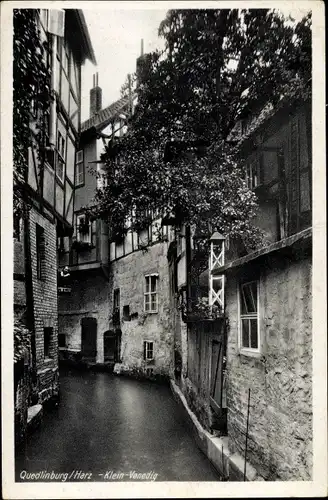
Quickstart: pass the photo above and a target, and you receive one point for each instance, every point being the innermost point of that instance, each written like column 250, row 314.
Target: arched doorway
column 112, row 346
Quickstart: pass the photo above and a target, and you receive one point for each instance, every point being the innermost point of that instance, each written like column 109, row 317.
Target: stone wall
column 89, row 297
column 280, row 426
column 128, row 274
column 45, row 306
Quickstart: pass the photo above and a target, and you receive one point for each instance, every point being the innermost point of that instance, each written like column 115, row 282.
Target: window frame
column 252, row 173
column 77, row 165
column 47, row 355
column 249, row 350
column 146, row 344
column 150, row 293
column 80, row 236
column 116, row 298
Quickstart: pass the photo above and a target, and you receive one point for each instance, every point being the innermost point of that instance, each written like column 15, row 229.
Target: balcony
column 198, row 309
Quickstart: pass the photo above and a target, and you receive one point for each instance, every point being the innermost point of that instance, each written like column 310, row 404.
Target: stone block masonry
column 280, row 377
column 128, row 275
column 45, row 306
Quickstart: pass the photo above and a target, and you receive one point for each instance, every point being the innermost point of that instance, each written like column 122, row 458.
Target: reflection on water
column 115, row 426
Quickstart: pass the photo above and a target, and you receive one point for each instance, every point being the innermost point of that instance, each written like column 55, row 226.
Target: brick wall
column 280, row 428
column 45, row 306
column 19, row 272
column 128, row 274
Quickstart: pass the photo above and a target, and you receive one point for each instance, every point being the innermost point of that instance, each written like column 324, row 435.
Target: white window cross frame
column 150, row 305
column 79, row 172
column 254, row 315
column 149, row 350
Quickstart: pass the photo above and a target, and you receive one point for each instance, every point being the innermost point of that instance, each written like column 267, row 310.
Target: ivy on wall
column 31, row 94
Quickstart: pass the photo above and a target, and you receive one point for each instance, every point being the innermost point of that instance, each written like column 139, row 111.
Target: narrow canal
column 114, row 425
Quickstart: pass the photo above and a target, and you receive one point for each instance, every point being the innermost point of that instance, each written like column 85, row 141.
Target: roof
column 86, row 45
column 269, row 111
column 300, row 239
column 104, row 117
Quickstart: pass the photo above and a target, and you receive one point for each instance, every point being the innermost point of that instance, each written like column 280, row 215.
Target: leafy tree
column 218, row 67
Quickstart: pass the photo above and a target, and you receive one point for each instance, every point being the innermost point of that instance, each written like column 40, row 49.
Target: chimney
column 143, row 65
column 95, row 97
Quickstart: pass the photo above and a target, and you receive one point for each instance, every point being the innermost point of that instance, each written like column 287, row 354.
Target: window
column 249, row 320
column 83, row 229
column 126, row 313
column 116, row 301
column 251, row 175
column 150, row 295
column 40, row 252
column 79, row 169
column 61, row 148
column 47, row 338
column 148, row 350
column 116, row 306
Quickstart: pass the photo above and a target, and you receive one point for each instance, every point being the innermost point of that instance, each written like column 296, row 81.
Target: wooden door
column 89, row 337
column 217, row 372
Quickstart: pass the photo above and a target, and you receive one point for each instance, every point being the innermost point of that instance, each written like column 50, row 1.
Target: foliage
column 31, row 84
column 200, row 309
column 219, row 66
column 22, row 340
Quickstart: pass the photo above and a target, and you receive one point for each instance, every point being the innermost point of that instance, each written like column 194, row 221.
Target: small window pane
column 153, row 283
column 254, row 340
column 249, row 298
column 147, row 284
column 153, row 302
column 245, row 332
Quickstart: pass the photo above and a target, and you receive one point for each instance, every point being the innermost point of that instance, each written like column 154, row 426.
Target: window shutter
column 56, row 24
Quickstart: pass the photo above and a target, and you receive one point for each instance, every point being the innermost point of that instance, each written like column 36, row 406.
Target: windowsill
column 150, row 312
column 250, row 354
